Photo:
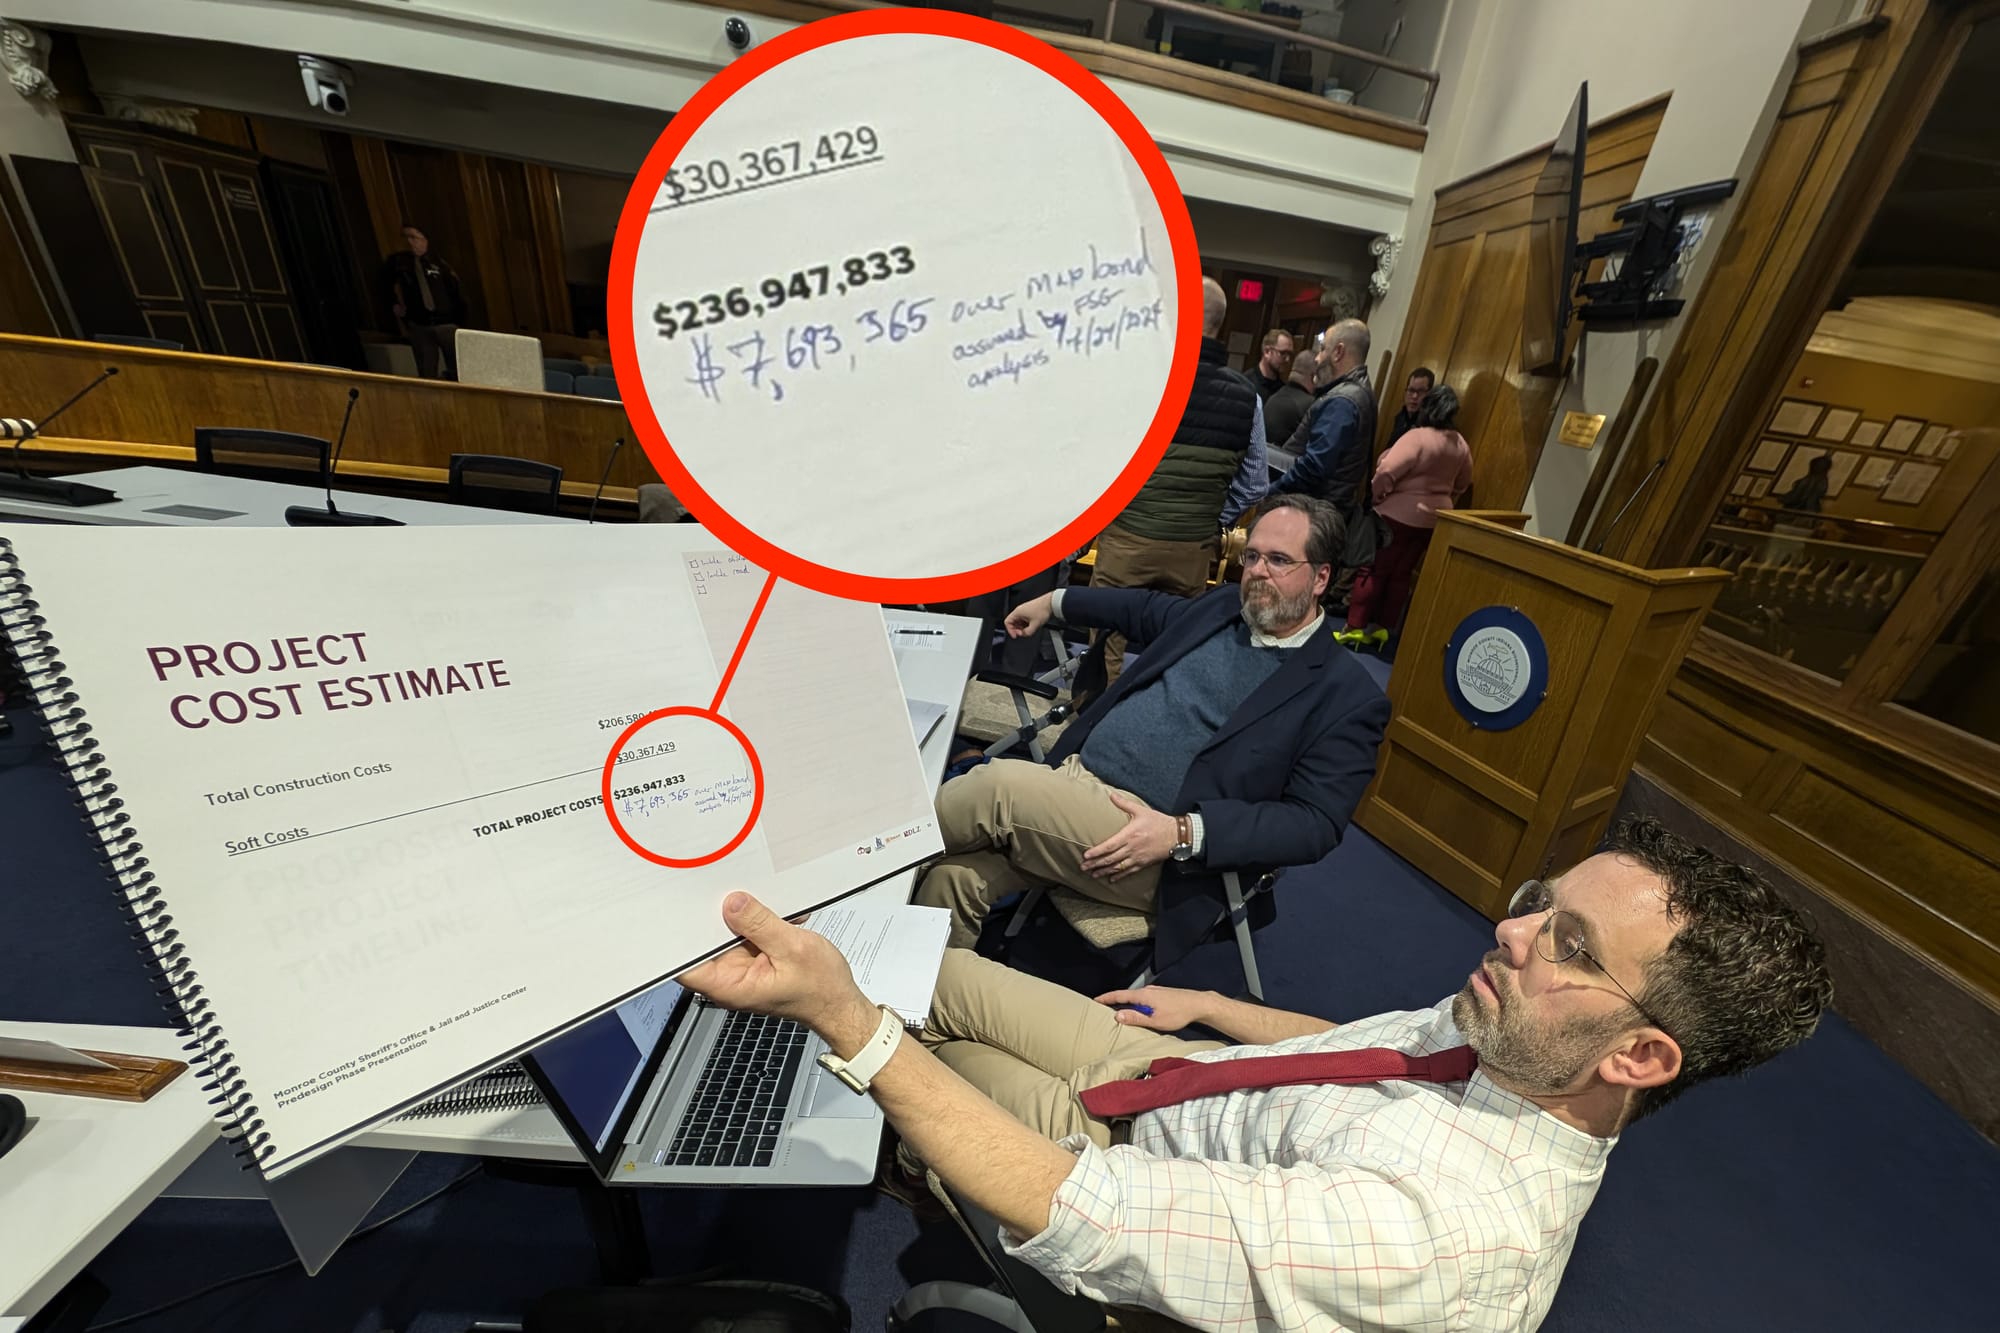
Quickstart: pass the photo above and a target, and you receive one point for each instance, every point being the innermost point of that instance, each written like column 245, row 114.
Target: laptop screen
column 591, row 1072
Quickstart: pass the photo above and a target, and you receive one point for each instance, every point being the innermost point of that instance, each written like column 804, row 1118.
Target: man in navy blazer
column 1243, row 740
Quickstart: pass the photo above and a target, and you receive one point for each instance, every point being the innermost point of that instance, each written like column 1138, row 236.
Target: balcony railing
column 1225, row 54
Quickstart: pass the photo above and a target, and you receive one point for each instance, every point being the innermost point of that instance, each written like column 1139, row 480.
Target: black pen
column 938, row 632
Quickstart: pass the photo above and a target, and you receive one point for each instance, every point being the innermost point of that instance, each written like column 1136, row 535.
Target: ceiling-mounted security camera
column 736, row 31
column 326, row 84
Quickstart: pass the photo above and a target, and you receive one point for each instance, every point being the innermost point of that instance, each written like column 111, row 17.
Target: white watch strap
column 859, row 1072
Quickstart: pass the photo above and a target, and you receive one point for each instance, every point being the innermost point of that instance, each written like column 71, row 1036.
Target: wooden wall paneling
column 131, row 218
column 1908, row 848
column 432, row 186
column 1963, row 556
column 482, row 220
column 160, row 398
column 546, row 230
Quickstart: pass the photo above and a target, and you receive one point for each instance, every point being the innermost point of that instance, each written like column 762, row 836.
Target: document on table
column 370, row 773
column 894, row 950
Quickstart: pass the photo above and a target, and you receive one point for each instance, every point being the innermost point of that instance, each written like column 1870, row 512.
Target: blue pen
column 1145, row 1009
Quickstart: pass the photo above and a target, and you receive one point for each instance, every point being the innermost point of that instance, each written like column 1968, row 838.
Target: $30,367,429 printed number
column 672, row 317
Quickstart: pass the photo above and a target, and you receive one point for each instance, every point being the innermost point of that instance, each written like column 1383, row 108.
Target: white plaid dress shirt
column 1394, row 1205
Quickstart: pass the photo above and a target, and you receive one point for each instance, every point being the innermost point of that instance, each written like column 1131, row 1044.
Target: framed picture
column 1760, row 487
column 1866, row 434
column 1950, row 445
column 1911, row 483
column 1837, row 424
column 1874, row 471
column 1902, row 433
column 1842, row 472
column 1769, row 455
column 1796, row 416
column 1932, row 440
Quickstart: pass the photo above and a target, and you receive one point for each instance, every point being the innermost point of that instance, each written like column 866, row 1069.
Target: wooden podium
column 1495, row 770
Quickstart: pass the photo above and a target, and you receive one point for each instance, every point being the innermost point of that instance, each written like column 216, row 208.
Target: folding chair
column 1022, row 1301
column 1107, row 928
column 259, row 453
column 496, row 481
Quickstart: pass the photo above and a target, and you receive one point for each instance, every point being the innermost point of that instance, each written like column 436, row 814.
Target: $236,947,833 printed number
column 672, row 317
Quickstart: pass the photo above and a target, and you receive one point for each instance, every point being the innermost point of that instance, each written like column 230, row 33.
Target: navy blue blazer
column 1277, row 783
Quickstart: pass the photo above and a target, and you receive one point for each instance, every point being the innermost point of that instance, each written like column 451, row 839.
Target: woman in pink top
column 1421, row 473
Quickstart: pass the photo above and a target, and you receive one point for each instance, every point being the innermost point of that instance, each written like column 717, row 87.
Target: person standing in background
column 1275, row 364
column 1423, row 472
column 1422, row 380
column 430, row 305
column 1333, row 443
column 1285, row 409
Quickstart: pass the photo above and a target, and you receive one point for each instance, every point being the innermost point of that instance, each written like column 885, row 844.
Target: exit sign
column 1249, row 290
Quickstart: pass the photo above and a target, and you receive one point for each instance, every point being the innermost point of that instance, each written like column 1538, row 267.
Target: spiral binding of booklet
column 121, row 852
column 504, row 1089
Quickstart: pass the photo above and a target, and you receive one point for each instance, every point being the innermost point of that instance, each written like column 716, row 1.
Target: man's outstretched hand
column 1029, row 617
column 785, row 970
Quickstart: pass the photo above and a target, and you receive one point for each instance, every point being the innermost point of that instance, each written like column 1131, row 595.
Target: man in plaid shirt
column 1399, row 1204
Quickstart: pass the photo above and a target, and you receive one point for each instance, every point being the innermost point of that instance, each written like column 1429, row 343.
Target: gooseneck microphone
column 306, row 516
column 598, row 494
column 1637, row 491
column 50, row 490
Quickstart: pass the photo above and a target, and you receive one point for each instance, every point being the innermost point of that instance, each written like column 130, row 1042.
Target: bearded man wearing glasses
column 1242, row 740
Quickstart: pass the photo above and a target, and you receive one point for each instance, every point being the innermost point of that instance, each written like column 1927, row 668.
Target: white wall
column 635, row 60
column 1511, row 69
column 1284, row 246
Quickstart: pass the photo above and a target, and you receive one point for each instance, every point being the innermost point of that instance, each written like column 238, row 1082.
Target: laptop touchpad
column 828, row 1096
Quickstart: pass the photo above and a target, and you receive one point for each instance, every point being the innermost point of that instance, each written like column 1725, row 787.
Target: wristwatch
column 859, row 1072
column 1184, row 838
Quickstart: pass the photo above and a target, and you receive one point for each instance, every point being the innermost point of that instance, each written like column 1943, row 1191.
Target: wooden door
column 196, row 242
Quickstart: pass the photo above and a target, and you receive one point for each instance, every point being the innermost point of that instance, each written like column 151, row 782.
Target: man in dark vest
column 1167, row 538
column 1334, row 442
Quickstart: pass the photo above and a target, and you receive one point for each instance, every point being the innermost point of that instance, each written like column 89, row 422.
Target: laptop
column 667, row 1089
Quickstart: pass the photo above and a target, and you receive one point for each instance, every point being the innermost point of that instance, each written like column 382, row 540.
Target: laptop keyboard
column 739, row 1101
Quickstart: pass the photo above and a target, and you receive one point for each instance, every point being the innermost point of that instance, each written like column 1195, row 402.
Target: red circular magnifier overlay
column 682, row 787
column 914, row 306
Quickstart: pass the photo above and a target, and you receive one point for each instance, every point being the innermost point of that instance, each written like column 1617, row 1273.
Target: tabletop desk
column 164, row 497
column 88, row 1166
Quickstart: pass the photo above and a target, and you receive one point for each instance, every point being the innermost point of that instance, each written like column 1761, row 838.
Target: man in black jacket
column 429, row 304
column 1243, row 740
column 1287, row 408
column 1422, row 380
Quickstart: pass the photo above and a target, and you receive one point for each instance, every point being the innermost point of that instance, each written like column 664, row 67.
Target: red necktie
column 1172, row 1081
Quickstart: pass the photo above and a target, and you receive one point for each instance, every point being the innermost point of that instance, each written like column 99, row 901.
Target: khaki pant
column 1127, row 560
column 1032, row 1045
column 1012, row 825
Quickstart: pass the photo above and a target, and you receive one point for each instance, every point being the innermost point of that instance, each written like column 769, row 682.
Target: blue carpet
column 1826, row 1191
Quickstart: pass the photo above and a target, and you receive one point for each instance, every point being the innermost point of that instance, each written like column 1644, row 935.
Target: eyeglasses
column 1278, row 562
column 1561, row 938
